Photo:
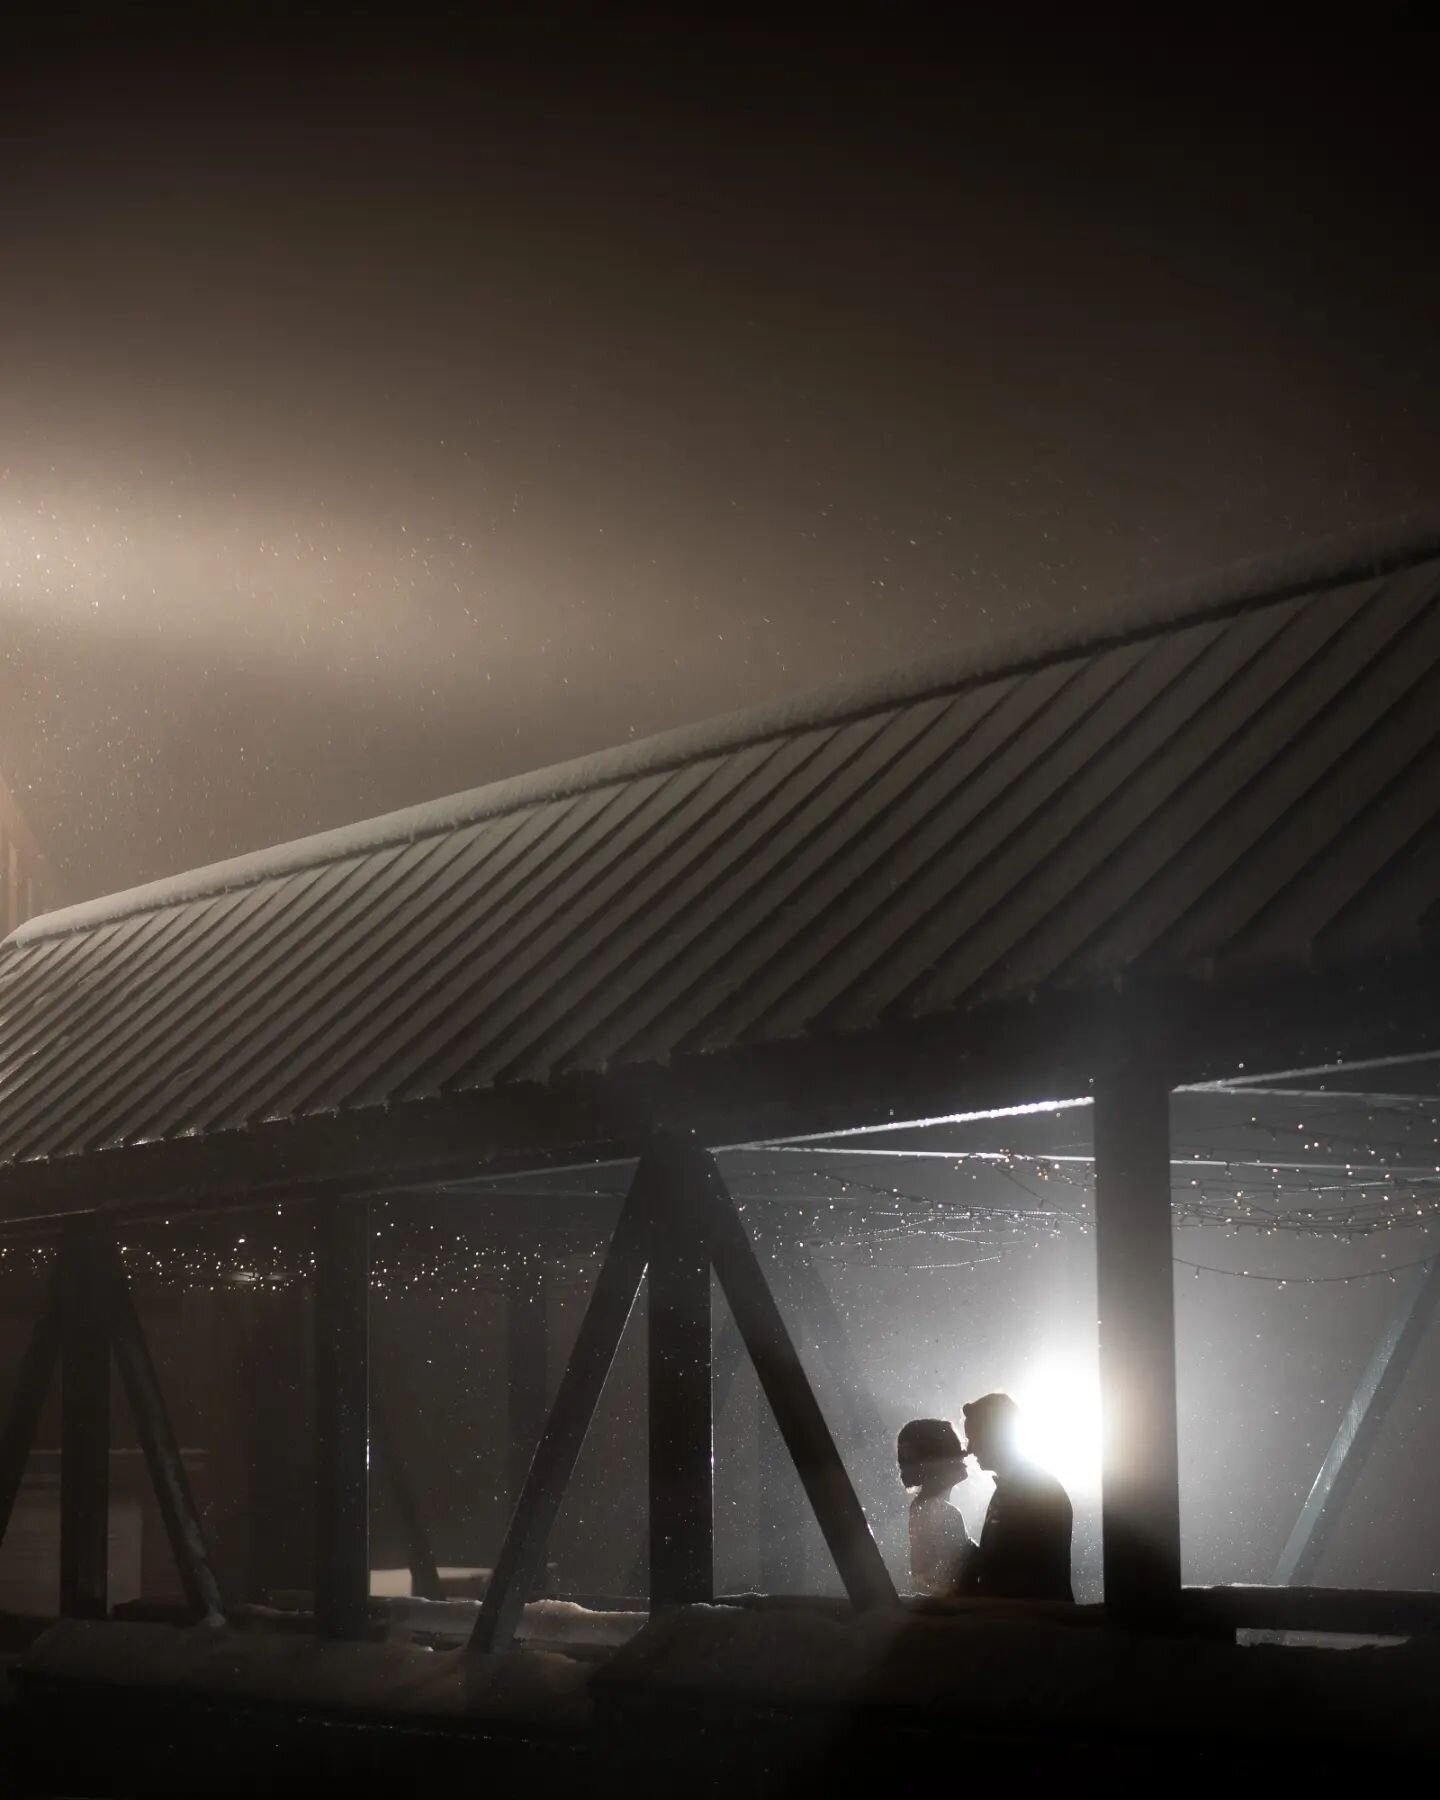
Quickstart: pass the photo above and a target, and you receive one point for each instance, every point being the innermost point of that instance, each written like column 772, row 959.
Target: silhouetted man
column 1024, row 1549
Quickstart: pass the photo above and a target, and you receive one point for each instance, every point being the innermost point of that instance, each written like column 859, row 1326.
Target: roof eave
column 1006, row 1055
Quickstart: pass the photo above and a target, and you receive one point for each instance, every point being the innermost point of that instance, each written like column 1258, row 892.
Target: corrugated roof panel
column 406, row 923
column 564, row 947
column 1110, row 866
column 266, row 1028
column 1102, row 871
column 1378, row 771
column 877, row 757
column 1375, row 849
column 204, row 1006
column 659, row 910
column 1283, row 691
column 406, row 1008
column 78, row 988
column 1307, row 734
column 1403, row 895
column 94, row 1028
column 1014, row 889
column 672, row 802
column 33, row 986
column 268, row 943
column 1009, row 816
column 365, row 1024
column 23, row 980
column 804, row 871
column 1262, row 783
column 852, row 879
column 369, row 1013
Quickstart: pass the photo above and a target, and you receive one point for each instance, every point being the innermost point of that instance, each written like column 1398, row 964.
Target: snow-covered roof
column 1254, row 781
column 1238, row 586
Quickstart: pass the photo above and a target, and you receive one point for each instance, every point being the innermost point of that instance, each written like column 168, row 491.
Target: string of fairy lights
column 1342, row 1176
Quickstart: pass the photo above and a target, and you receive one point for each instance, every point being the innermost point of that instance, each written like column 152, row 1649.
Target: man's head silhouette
column 992, row 1432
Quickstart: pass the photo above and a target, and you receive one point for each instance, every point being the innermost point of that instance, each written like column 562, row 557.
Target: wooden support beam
column 85, row 1427
column 158, row 1444
column 279, row 1426
column 32, row 1383
column 342, row 1418
column 1359, row 1427
column 705, row 1217
column 728, row 1358
column 995, row 1056
column 526, row 1376
column 792, row 1400
column 1140, row 1508
column 681, row 1380
column 521, row 1556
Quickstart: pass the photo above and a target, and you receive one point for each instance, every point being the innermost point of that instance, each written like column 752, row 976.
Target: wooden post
column 704, row 1221
column 682, row 1446
column 525, row 1370
column 1135, row 1281
column 85, row 1427
column 281, row 1439
column 342, row 1418
column 727, row 1359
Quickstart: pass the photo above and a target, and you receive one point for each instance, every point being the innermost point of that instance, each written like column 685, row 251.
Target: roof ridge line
column 1233, row 589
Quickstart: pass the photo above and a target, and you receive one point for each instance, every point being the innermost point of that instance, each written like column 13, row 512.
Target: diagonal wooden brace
column 518, row 1567
column 163, row 1460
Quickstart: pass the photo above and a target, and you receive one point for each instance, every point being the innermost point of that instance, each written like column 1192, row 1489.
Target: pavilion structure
column 1199, row 850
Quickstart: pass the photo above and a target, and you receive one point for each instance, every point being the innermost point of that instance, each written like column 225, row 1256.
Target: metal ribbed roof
column 1253, row 787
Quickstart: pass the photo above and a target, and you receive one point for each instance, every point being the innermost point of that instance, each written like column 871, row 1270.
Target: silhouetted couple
column 1024, row 1548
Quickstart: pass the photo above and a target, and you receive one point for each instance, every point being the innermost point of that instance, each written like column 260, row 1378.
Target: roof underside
column 1248, row 790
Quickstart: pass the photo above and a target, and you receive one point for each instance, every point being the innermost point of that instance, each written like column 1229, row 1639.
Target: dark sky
column 384, row 411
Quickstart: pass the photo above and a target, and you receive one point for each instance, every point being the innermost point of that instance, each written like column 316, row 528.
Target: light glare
column 1060, row 1421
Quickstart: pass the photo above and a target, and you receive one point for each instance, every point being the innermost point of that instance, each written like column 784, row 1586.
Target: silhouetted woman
column 932, row 1465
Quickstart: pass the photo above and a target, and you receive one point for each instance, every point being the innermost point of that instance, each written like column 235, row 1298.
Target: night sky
column 383, row 411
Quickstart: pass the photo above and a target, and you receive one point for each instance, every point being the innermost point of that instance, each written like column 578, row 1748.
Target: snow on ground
column 992, row 1667
column 524, row 1685
column 1002, row 1670
column 534, row 1680
column 557, row 1622
column 554, row 1623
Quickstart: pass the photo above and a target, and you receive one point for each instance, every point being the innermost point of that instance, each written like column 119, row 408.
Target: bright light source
column 1060, row 1421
